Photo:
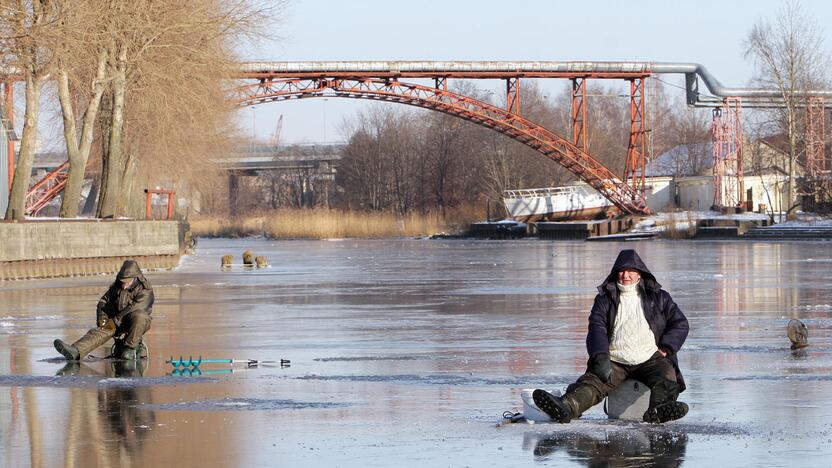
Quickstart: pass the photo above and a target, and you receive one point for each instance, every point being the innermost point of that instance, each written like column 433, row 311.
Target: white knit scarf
column 632, row 340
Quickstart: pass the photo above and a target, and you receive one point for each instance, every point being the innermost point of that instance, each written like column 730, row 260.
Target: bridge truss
column 570, row 154
column 727, row 139
column 46, row 189
column 818, row 161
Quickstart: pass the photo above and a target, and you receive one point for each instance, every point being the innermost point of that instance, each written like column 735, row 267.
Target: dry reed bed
column 326, row 224
column 679, row 225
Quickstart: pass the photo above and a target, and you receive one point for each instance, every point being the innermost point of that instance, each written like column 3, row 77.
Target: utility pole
column 325, row 99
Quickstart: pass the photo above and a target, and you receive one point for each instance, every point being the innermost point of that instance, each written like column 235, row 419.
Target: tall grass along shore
column 331, row 224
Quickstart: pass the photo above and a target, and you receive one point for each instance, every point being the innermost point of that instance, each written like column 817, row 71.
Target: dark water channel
column 406, row 353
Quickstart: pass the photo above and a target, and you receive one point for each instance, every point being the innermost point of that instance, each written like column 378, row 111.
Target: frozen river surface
column 407, row 352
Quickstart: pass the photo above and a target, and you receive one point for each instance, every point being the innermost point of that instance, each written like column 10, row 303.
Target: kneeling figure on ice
column 635, row 331
column 123, row 313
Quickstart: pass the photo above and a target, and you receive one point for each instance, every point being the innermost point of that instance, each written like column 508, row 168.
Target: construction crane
column 276, row 134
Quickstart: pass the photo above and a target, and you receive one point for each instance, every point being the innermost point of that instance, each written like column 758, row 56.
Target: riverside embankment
column 45, row 249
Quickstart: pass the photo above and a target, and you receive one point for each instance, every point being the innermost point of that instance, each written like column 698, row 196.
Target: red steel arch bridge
column 386, row 81
column 389, row 81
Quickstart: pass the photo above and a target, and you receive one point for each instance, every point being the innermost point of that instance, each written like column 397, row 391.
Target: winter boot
column 581, row 398
column 86, row 344
column 554, row 406
column 663, row 405
column 69, row 352
column 569, row 406
column 665, row 412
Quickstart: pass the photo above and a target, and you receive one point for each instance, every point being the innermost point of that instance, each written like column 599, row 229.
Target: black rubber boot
column 69, row 352
column 555, row 407
column 576, row 400
column 665, row 412
column 663, row 405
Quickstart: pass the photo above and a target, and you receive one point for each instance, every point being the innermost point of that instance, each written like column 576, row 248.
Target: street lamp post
column 253, row 125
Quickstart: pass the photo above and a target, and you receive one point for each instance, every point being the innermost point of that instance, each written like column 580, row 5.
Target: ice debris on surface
column 443, row 379
column 372, row 358
column 246, row 404
column 76, row 381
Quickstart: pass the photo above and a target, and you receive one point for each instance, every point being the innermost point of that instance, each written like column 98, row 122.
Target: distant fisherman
column 123, row 310
column 635, row 331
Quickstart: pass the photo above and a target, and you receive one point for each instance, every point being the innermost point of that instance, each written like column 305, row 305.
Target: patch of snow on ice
column 37, row 317
column 234, row 403
column 114, row 380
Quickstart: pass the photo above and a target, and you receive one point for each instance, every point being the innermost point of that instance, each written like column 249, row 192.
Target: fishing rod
column 191, row 363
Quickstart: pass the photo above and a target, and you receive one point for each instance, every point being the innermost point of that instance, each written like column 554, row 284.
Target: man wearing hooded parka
column 635, row 331
column 124, row 310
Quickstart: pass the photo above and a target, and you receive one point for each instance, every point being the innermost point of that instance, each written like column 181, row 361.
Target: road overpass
column 304, row 164
column 248, row 160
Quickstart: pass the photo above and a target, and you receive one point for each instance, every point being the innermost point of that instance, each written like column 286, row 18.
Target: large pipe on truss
column 752, row 97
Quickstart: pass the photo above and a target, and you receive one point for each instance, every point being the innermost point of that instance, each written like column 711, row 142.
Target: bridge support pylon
column 818, row 161
column 727, row 137
column 579, row 113
column 636, row 149
column 513, row 95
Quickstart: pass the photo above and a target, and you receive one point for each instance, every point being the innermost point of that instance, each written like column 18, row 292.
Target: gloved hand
column 601, row 366
column 104, row 322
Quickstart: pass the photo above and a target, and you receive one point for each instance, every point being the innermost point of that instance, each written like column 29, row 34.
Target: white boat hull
column 556, row 204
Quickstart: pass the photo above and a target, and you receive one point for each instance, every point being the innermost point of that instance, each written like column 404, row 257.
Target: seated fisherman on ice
column 635, row 331
column 123, row 310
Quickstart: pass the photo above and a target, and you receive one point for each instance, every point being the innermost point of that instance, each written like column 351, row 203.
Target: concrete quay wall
column 43, row 249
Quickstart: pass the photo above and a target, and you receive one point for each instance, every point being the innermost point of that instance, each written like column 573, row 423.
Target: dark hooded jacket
column 118, row 302
column 666, row 320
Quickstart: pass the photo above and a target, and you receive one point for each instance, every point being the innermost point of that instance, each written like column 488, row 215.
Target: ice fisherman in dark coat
column 635, row 331
column 124, row 310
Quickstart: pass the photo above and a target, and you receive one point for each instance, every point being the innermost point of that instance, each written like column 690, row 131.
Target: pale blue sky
column 707, row 32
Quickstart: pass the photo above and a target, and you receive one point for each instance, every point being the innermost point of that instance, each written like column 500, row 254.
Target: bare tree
column 363, row 167
column 27, row 32
column 789, row 56
column 166, row 105
column 445, row 157
column 81, row 69
column 689, row 130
